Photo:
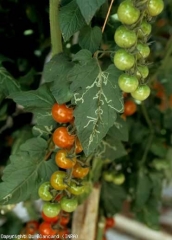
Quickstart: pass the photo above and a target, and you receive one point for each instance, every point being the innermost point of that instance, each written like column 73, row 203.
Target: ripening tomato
column 51, row 209
column 62, row 138
column 141, row 93
column 63, row 159
column 130, row 108
column 128, row 83
column 128, row 13
column 45, row 228
column 123, row 60
column 78, row 146
column 32, row 227
column 79, row 171
column 57, row 180
column 124, row 37
column 44, row 191
column 63, row 233
column 64, row 219
column 61, row 113
column 155, row 7
column 76, row 189
column 49, row 219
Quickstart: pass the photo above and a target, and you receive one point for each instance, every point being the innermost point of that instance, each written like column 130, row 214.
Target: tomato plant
column 76, row 71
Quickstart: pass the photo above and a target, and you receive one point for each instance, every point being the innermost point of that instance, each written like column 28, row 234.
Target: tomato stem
column 56, row 39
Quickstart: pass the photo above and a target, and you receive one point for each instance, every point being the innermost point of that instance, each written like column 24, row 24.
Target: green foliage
column 88, row 8
column 27, row 170
column 90, row 38
column 7, row 84
column 112, row 202
column 91, row 82
column 71, row 20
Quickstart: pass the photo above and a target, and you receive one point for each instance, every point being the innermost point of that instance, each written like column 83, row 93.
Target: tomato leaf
column 119, row 130
column 26, row 171
column 143, row 189
column 90, row 38
column 112, row 197
column 89, row 7
column 158, row 148
column 7, row 84
column 38, row 101
column 111, row 148
column 56, row 71
column 71, row 20
column 90, row 82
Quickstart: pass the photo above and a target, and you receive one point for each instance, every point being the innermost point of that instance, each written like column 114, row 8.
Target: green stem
column 56, row 39
column 149, row 143
column 100, row 228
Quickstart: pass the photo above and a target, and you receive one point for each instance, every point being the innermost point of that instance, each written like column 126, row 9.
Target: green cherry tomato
column 124, row 37
column 142, row 71
column 128, row 13
column 143, row 50
column 128, row 83
column 145, row 29
column 123, row 60
column 44, row 191
column 69, row 204
column 155, row 7
column 51, row 209
column 107, row 176
column 141, row 93
column 57, row 180
column 76, row 189
column 119, row 178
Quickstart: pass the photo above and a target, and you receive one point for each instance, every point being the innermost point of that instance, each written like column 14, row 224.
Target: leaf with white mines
column 98, row 99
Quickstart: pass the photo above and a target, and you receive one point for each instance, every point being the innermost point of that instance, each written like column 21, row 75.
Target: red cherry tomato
column 110, row 222
column 63, row 233
column 61, row 113
column 32, row 227
column 62, row 138
column 129, row 108
column 45, row 228
column 79, row 171
column 64, row 220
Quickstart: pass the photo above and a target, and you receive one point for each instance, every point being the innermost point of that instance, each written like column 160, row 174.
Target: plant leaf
column 89, row 7
column 71, row 20
column 26, row 171
column 7, row 84
column 90, row 82
column 112, row 197
column 90, row 38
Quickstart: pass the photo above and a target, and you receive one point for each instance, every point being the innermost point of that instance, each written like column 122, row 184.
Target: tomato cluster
column 132, row 37
column 66, row 183
column 116, row 178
